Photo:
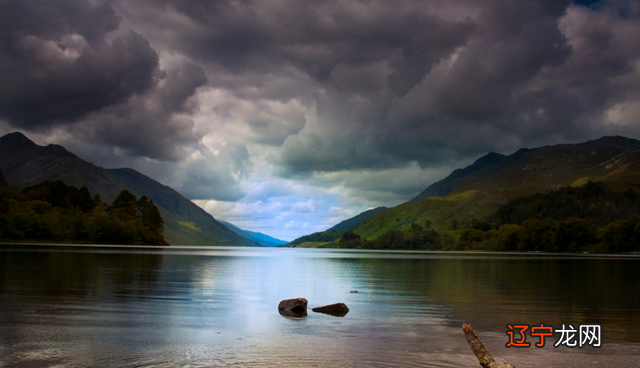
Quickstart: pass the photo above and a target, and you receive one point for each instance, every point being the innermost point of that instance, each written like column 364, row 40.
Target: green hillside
column 476, row 197
column 492, row 181
column 319, row 238
column 329, row 238
column 349, row 223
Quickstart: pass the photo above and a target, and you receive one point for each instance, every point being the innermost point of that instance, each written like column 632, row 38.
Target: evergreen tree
column 124, row 206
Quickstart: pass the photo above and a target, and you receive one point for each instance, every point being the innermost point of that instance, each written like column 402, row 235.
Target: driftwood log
column 485, row 358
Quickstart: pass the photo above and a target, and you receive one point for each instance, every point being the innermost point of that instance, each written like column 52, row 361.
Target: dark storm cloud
column 425, row 81
column 66, row 63
column 448, row 112
column 314, row 36
column 530, row 74
column 329, row 87
column 423, row 51
column 57, row 66
column 53, row 19
column 157, row 124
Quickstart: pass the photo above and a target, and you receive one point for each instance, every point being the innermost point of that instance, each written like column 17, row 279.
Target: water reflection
column 177, row 306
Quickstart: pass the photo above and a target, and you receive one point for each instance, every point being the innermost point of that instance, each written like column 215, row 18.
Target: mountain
column 335, row 232
column 494, row 179
column 525, row 172
column 449, row 183
column 316, row 239
column 493, row 163
column 349, row 223
column 257, row 237
column 25, row 163
column 3, row 182
column 185, row 222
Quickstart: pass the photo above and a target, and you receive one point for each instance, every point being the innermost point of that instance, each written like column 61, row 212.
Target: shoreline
column 341, row 250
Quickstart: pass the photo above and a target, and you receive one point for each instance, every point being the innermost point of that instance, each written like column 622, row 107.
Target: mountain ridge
column 254, row 236
column 494, row 163
column 25, row 163
column 351, row 222
column 476, row 191
column 185, row 221
column 529, row 171
column 335, row 232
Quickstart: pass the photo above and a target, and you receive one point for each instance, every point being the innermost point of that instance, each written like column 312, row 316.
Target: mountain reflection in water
column 217, row 306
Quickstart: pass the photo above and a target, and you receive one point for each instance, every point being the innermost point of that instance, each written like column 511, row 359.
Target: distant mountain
column 349, row 223
column 527, row 171
column 25, row 163
column 318, row 238
column 3, row 182
column 449, row 183
column 336, row 231
column 256, row 237
column 494, row 163
column 493, row 180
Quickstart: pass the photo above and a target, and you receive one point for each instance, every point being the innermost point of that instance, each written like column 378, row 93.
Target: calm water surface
column 113, row 306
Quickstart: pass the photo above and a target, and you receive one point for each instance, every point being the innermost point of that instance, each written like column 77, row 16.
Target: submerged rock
column 337, row 309
column 285, row 313
column 293, row 307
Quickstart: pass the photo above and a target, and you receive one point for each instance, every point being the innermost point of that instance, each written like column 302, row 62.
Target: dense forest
column 594, row 202
column 55, row 212
column 417, row 237
column 591, row 218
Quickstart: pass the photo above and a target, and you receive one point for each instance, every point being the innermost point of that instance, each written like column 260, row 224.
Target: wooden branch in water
column 485, row 358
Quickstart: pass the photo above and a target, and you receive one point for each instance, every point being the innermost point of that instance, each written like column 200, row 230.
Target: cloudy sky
column 288, row 116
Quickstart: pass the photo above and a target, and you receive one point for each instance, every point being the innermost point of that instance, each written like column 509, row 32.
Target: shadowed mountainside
column 25, row 163
column 493, row 163
column 349, row 223
column 3, row 182
column 185, row 222
column 454, row 179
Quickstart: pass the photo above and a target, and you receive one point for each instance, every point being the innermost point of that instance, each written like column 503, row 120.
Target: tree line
column 594, row 202
column 417, row 237
column 56, row 212
column 591, row 218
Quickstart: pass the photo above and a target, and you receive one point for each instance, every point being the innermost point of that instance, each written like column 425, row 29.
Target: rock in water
column 293, row 307
column 337, row 309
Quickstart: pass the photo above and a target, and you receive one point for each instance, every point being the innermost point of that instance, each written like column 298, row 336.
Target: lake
column 217, row 306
